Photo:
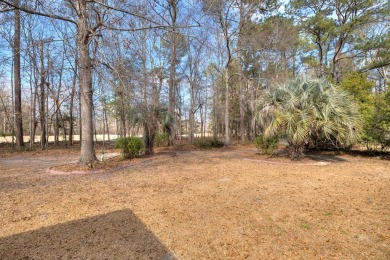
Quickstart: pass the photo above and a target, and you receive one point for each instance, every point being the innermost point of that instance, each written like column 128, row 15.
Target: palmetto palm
column 150, row 117
column 305, row 110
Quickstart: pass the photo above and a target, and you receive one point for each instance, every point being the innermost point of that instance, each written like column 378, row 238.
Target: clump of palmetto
column 306, row 111
column 151, row 117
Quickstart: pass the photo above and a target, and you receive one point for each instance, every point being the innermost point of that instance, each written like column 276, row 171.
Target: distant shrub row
column 208, row 143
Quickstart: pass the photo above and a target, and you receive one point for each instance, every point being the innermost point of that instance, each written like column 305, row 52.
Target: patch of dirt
column 197, row 204
column 281, row 157
column 52, row 151
column 114, row 162
column 98, row 166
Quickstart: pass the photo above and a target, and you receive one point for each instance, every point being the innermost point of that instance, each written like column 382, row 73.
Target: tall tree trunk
column 49, row 120
column 215, row 111
column 34, row 88
column 71, row 105
column 122, row 114
column 12, row 126
column 205, row 114
column 56, row 127
column 172, row 69
column 227, row 134
column 87, row 155
column 17, row 81
column 58, row 114
column 191, row 114
column 240, row 97
column 336, row 66
column 42, row 113
column 149, row 134
column 201, row 121
column 239, row 70
column 57, row 108
column 179, row 117
column 321, row 57
column 33, row 98
column 106, row 121
column 144, row 69
column 79, row 115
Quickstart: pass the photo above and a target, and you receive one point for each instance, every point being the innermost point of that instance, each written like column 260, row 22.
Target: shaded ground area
column 118, row 234
column 215, row 204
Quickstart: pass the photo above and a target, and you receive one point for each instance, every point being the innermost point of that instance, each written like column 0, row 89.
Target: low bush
column 265, row 145
column 208, row 143
column 131, row 146
column 161, row 139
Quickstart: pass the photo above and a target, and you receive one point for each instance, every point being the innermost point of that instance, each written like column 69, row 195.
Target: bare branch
column 5, row 9
column 124, row 11
column 147, row 27
column 29, row 11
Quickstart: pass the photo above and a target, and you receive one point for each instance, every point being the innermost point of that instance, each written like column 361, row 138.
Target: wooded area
column 193, row 68
column 111, row 113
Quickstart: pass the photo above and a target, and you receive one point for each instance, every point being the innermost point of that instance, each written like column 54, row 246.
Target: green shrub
column 307, row 111
column 266, row 145
column 161, row 139
column 374, row 109
column 131, row 146
column 208, row 143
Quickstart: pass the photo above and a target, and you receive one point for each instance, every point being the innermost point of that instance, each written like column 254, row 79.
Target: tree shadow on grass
column 316, row 155
column 116, row 235
column 325, row 158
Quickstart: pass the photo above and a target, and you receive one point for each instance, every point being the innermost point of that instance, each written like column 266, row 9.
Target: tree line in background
column 187, row 68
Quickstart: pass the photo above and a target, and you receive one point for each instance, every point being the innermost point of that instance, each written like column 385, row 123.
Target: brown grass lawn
column 204, row 204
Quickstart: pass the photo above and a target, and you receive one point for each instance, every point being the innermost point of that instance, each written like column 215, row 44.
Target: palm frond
column 310, row 108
